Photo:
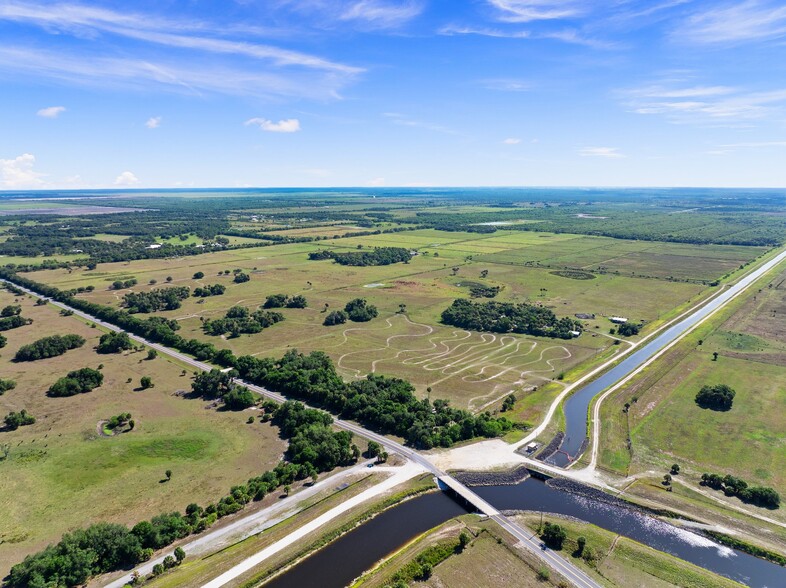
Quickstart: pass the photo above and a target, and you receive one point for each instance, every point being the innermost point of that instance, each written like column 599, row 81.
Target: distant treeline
column 699, row 226
column 506, row 317
column 376, row 256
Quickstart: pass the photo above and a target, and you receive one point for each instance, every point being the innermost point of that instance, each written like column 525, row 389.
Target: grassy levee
column 666, row 426
column 619, row 561
column 61, row 474
column 490, row 559
column 195, row 572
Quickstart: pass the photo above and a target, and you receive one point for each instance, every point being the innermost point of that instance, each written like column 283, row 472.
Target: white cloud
column 707, row 105
column 531, row 10
column 754, row 145
column 376, row 182
column 126, row 179
column 381, row 14
column 18, row 173
column 605, row 152
column 741, row 22
column 289, row 125
column 506, row 85
column 511, row 141
column 450, row 30
column 153, row 122
column 188, row 78
column 405, row 121
column 51, row 111
column 281, row 71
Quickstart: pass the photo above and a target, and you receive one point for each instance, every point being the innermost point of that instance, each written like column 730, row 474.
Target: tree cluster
column 121, row 285
column 628, row 329
column 120, row 420
column 359, row 311
column 241, row 277
column 732, row 486
column 481, row 291
column 114, row 342
column 385, row 405
column 239, row 320
column 284, row 301
column 6, row 385
column 376, row 256
column 76, row 382
column 506, row 317
column 48, row 347
column 13, row 322
column 717, row 397
column 160, row 299
column 14, row 420
column 205, row 291
column 553, row 535
column 218, row 384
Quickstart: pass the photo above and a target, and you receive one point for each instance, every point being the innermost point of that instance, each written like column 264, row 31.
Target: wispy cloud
column 18, row 173
column 604, row 152
column 709, row 105
column 153, row 122
column 51, row 111
column 381, row 14
column 289, row 125
column 366, row 15
column 512, row 141
column 740, row 22
column 754, row 145
column 292, row 72
column 405, row 121
column 451, row 30
column 531, row 10
column 506, row 85
column 174, row 76
column 126, row 180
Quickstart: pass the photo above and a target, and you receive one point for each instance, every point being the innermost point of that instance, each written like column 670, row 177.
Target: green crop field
column 60, row 472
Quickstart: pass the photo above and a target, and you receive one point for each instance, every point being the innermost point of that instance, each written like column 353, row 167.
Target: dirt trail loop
column 505, row 361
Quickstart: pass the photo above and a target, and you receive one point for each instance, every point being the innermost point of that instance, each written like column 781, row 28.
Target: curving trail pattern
column 504, row 362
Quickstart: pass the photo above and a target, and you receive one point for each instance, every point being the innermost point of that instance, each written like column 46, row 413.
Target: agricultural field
column 71, row 474
column 667, row 426
column 473, row 370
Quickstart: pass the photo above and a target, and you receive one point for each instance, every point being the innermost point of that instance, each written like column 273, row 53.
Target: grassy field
column 70, row 476
column 473, row 370
column 666, row 425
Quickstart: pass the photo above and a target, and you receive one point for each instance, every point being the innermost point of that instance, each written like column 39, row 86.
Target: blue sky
column 398, row 93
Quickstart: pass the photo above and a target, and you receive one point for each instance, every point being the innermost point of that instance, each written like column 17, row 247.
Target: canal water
column 535, row 495
column 577, row 406
column 345, row 559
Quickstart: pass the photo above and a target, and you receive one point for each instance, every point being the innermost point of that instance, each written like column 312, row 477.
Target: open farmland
column 474, row 370
column 667, row 426
column 70, row 475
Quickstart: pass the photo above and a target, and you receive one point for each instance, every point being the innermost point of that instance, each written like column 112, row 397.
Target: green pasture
column 70, row 475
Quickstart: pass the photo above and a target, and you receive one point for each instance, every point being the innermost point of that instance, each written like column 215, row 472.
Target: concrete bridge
column 450, row 484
